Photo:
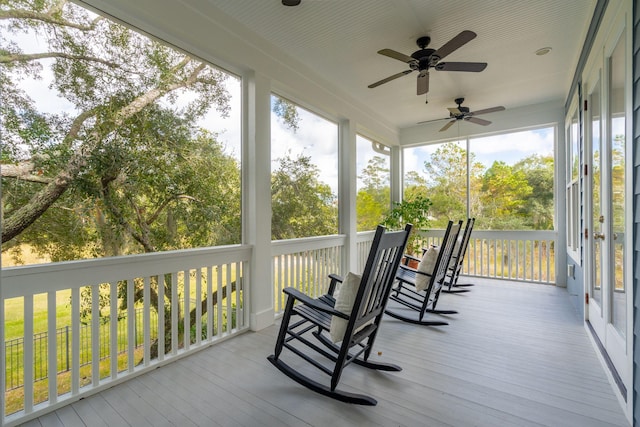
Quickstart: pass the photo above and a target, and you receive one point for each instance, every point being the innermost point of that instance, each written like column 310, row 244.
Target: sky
column 509, row 148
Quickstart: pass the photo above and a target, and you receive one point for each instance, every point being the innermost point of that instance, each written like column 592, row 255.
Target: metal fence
column 14, row 348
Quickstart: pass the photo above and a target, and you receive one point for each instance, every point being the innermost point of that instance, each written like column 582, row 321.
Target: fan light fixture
column 543, row 51
column 291, row 2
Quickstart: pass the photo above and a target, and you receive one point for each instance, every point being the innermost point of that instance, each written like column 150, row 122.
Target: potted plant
column 414, row 212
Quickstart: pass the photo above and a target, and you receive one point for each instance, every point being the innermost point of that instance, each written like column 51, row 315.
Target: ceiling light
column 290, row 2
column 543, row 51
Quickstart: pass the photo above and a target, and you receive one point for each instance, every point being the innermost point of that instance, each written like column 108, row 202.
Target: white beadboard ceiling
column 339, row 40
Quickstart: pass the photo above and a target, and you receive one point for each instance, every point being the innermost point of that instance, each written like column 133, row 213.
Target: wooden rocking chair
column 418, row 302
column 324, row 316
column 455, row 267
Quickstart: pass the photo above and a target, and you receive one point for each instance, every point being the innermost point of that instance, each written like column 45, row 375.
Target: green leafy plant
column 414, row 212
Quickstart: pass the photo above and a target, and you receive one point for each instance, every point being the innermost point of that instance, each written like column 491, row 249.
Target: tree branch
column 23, row 171
column 48, row 17
column 41, row 201
column 6, row 58
column 164, row 204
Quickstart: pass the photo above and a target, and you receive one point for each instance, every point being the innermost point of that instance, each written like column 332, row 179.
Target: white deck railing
column 101, row 291
column 524, row 255
column 217, row 282
column 304, row 264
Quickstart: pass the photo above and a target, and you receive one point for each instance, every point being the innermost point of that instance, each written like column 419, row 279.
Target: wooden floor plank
column 69, row 417
column 515, row 354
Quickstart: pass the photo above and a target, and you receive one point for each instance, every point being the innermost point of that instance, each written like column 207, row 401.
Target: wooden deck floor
column 515, row 355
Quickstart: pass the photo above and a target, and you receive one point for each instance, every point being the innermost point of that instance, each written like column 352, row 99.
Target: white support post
column 396, row 174
column 256, row 193
column 347, row 190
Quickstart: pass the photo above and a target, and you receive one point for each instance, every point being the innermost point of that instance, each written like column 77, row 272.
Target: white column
column 560, row 205
column 396, row 173
column 347, row 191
column 256, row 193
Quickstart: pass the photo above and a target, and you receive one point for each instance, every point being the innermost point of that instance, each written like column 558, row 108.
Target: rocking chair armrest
column 414, row 270
column 314, row 303
column 335, row 279
column 407, row 258
column 424, row 250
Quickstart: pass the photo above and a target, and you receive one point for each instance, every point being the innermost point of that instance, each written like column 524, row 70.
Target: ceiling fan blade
column 461, row 66
column 388, row 79
column 455, row 43
column 447, row 126
column 423, row 82
column 488, row 110
column 454, row 111
column 397, row 55
column 434, row 120
column 478, row 121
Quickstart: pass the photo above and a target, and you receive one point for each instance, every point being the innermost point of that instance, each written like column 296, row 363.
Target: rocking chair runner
column 421, row 302
column 455, row 266
column 362, row 322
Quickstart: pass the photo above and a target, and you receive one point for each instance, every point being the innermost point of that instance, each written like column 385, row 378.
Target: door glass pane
column 617, row 105
column 594, row 109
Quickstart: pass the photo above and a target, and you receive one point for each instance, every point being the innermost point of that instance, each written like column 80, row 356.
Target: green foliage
column 538, row 205
column 287, row 112
column 447, row 182
column 125, row 167
column 503, row 193
column 502, row 197
column 302, row 206
column 372, row 201
column 413, row 211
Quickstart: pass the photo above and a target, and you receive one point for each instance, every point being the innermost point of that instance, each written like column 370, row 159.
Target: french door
column 606, row 205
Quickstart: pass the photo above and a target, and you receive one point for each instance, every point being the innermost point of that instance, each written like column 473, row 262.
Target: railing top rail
column 365, row 236
column 34, row 279
column 280, row 247
column 502, row 234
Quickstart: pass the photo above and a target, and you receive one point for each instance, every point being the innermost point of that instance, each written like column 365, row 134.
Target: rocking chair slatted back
column 455, row 267
column 421, row 302
column 363, row 321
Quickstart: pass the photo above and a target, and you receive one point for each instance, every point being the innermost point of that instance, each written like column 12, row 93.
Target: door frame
column 617, row 22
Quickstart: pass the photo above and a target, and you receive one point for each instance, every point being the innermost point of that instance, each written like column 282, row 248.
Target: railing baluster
column 209, row 303
column 229, row 298
column 52, row 347
column 198, row 306
column 113, row 328
column 95, row 335
column 236, row 295
column 131, row 324
column 186, row 319
column 75, row 341
column 161, row 319
column 282, row 280
column 540, row 244
column 239, row 296
column 531, row 259
column 28, row 354
column 219, row 300
column 146, row 319
column 175, row 309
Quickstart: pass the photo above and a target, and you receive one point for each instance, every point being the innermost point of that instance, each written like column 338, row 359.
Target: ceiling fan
column 425, row 58
column 463, row 113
